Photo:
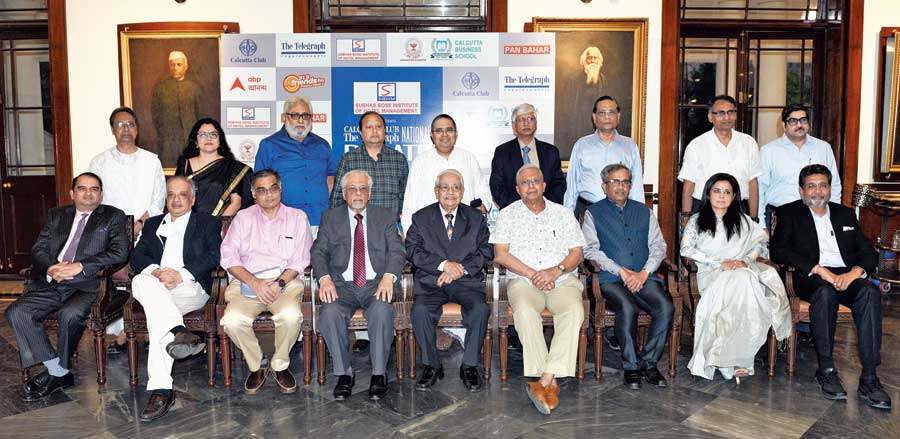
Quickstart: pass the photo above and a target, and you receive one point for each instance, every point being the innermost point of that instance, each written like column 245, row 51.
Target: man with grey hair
column 174, row 106
column 624, row 241
column 525, row 148
column 447, row 244
column 358, row 259
column 304, row 160
column 174, row 279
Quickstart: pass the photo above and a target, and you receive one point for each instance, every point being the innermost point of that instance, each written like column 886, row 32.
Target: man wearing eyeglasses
column 304, row 160
column 445, row 155
column 593, row 152
column 265, row 249
column 783, row 158
column 721, row 149
column 525, row 148
column 623, row 239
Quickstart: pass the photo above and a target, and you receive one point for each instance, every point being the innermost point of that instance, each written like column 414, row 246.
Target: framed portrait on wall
column 597, row 57
column 169, row 75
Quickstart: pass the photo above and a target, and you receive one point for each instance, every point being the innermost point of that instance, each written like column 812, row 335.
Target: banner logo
column 358, row 49
column 527, row 49
column 248, row 118
column 470, row 80
column 358, row 46
column 387, row 91
column 247, row 148
column 237, row 84
column 441, row 48
column 248, row 47
column 293, row 83
column 413, row 48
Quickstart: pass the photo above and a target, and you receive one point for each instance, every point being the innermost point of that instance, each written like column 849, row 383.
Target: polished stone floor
column 760, row 407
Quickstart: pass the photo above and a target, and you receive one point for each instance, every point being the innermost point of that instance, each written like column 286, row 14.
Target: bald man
column 175, row 107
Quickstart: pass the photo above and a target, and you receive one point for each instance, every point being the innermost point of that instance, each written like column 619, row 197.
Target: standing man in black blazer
column 174, row 260
column 510, row 156
column 448, row 246
column 823, row 242
column 76, row 243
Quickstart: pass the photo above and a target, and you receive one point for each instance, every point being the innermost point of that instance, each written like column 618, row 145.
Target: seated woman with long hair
column 223, row 183
column 740, row 298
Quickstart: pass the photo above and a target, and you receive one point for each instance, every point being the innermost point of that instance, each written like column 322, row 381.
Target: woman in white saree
column 740, row 297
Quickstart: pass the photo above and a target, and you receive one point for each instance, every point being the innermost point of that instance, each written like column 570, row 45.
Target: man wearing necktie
column 358, row 259
column 447, row 244
column 76, row 243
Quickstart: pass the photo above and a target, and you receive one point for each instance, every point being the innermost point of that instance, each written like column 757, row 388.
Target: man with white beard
column 591, row 61
column 302, row 159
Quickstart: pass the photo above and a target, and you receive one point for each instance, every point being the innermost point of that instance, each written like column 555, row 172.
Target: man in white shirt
column 783, row 158
column 721, row 149
column 429, row 164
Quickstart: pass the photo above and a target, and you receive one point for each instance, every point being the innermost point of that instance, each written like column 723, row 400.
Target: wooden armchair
column 604, row 318
column 505, row 318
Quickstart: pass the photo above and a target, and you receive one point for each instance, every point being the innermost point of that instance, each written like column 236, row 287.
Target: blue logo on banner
column 441, row 48
column 387, row 91
column 248, row 47
column 470, row 80
column 358, row 46
column 248, row 113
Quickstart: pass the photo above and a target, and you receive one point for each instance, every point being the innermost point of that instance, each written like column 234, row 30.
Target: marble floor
column 759, row 407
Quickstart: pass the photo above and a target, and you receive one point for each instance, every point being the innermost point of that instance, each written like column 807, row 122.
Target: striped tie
column 359, row 256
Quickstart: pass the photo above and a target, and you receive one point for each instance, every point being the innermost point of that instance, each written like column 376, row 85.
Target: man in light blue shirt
column 594, row 152
column 783, row 158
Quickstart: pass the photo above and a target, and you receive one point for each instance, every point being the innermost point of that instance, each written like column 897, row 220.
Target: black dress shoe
column 514, row 343
column 633, row 379
column 830, row 384
column 429, row 376
column 360, row 345
column 36, row 383
column 53, row 384
column 344, row 387
column 470, row 377
column 613, row 342
column 652, row 376
column 871, row 391
column 186, row 344
column 158, row 405
column 377, row 387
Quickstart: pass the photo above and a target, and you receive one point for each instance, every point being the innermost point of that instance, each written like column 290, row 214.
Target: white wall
column 94, row 56
column 522, row 11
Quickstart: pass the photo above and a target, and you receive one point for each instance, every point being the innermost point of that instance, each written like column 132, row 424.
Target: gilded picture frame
column 891, row 129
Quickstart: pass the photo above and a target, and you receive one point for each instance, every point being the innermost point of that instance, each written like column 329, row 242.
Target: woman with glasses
column 223, row 183
column 740, row 298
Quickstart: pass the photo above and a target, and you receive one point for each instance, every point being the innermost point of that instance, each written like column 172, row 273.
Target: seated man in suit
column 832, row 259
column 265, row 249
column 447, row 244
column 76, row 243
column 624, row 240
column 175, row 276
column 540, row 244
column 358, row 258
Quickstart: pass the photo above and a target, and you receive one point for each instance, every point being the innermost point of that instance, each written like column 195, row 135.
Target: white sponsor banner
column 446, row 50
column 387, row 97
column 248, row 118
column 303, row 50
column 530, row 83
column 358, row 49
column 248, row 84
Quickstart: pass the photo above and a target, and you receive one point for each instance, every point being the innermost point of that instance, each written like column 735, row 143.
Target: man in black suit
column 510, row 156
column 448, row 246
column 175, row 276
column 76, row 243
column 358, row 258
column 832, row 258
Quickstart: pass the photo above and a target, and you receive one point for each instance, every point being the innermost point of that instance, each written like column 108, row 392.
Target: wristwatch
column 562, row 268
column 281, row 283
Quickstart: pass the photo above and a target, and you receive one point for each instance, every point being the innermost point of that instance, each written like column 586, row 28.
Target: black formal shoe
column 470, row 377
column 514, row 343
column 36, row 383
column 360, row 346
column 633, row 379
column 652, row 376
column 344, row 387
column 377, row 387
column 186, row 344
column 53, row 384
column 158, row 405
column 255, row 380
column 613, row 342
column 871, row 391
column 429, row 376
column 830, row 384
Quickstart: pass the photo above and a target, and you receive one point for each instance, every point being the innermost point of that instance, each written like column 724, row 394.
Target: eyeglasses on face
column 449, row 188
column 208, row 135
column 124, row 124
column 297, row 116
column 274, row 189
column 357, row 189
column 531, row 181
column 793, row 121
column 526, row 119
column 723, row 113
column 617, row 182
column 606, row 113
column 444, row 131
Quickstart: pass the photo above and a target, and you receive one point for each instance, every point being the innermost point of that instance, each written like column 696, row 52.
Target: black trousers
column 653, row 299
column 862, row 297
column 427, row 309
column 27, row 313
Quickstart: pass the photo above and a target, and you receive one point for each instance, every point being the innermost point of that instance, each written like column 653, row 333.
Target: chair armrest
column 500, row 272
column 669, row 272
column 767, row 262
column 689, row 264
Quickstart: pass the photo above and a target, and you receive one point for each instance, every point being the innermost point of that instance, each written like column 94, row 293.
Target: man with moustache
column 303, row 160
column 832, row 262
column 77, row 242
column 447, row 244
column 175, row 106
column 174, row 260
column 358, row 258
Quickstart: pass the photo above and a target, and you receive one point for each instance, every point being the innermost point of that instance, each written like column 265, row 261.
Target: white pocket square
column 848, row 228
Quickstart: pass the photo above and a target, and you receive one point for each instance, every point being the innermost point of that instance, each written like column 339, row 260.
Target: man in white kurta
column 426, row 167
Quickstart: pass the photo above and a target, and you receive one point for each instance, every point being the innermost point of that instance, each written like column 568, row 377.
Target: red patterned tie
column 359, row 255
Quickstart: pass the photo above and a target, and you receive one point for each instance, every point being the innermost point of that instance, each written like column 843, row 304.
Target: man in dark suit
column 448, row 246
column 358, row 258
column 175, row 276
column 76, row 243
column 832, row 258
column 510, row 156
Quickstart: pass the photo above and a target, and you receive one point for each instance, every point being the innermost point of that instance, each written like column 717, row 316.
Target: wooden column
column 668, row 125
column 59, row 88
column 853, row 46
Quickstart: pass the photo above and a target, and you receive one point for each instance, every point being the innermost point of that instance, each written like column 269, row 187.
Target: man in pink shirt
column 267, row 246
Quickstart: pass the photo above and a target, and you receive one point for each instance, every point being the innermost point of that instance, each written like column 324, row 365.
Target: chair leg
column 773, row 351
column 413, row 351
column 486, row 349
column 792, row 353
column 320, row 358
column 100, row 353
column 211, row 359
column 504, row 351
column 598, row 353
column 673, row 351
column 225, row 348
column 642, row 337
column 398, row 343
column 133, row 357
column 307, row 357
column 582, row 353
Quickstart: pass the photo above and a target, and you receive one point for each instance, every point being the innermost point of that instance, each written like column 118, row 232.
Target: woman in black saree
column 223, row 183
